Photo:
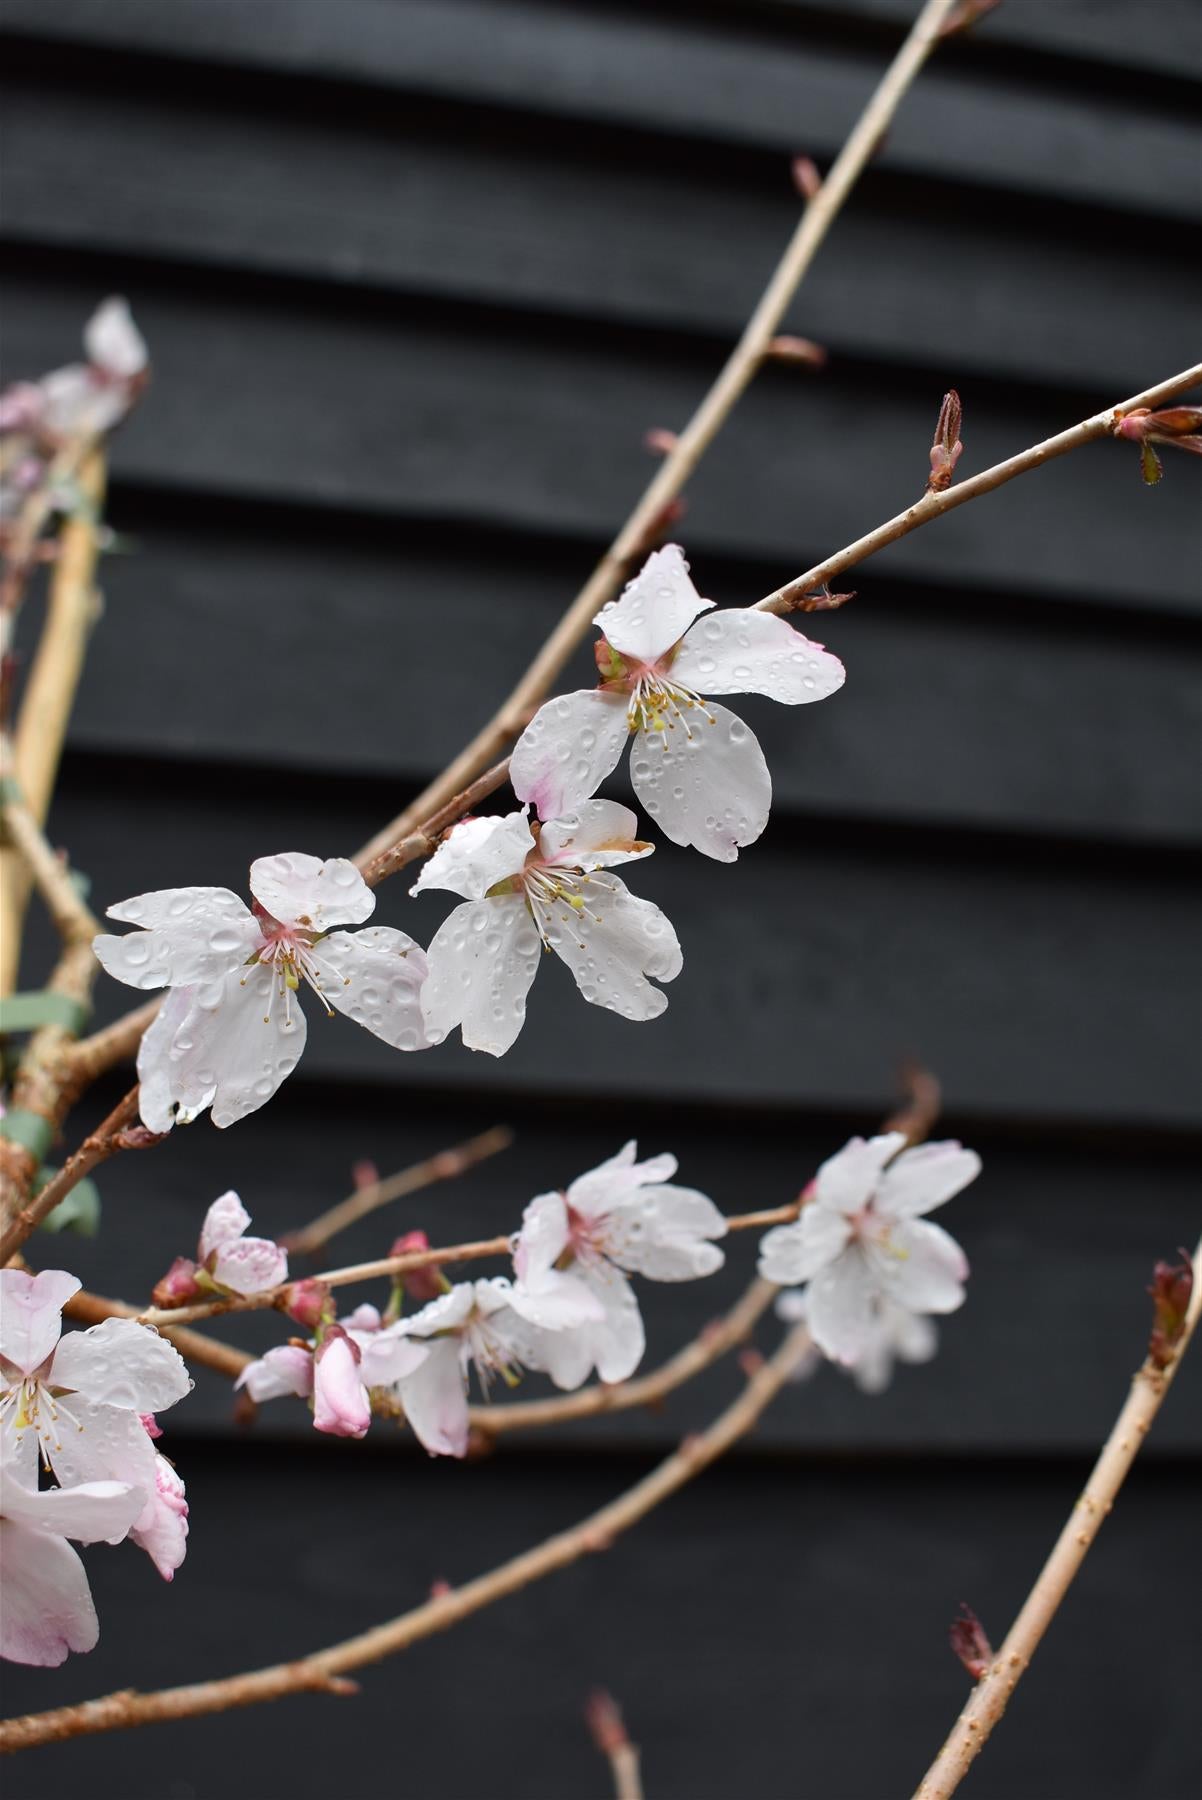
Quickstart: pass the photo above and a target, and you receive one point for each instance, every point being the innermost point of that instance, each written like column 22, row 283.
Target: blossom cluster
column 539, row 878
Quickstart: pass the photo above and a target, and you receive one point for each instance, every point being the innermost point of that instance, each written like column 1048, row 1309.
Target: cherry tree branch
column 690, row 446
column 93, row 1056
column 992, row 1693
column 118, row 1132
column 324, row 1670
column 442, row 1167
column 934, row 505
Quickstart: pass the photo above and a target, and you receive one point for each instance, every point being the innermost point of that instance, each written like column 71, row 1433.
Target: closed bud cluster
column 421, row 1285
column 945, row 451
column 968, row 1640
column 1171, row 1290
column 1180, row 426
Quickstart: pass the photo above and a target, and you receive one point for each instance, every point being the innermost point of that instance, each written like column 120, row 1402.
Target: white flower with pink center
column 477, row 1322
column 533, row 887
column 622, row 1218
column 235, row 1262
column 697, row 769
column 231, row 1029
column 861, row 1240
column 94, row 396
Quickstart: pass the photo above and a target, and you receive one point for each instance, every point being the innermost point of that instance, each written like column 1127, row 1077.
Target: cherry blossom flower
column 77, row 1399
column 861, row 1240
column 545, row 884
column 230, row 1030
column 93, row 396
column 478, row 1322
column 697, row 769
column 161, row 1528
column 47, row 1608
column 895, row 1334
column 620, row 1218
column 337, row 1371
column 227, row 1259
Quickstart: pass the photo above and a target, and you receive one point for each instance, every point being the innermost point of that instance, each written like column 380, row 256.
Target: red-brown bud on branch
column 822, row 601
column 420, row 1284
column 967, row 1638
column 945, row 451
column 309, row 1303
column 966, row 14
column 603, row 1716
column 364, row 1174
column 797, row 350
column 1180, row 426
column 179, row 1286
column 806, row 178
column 1171, row 1290
column 660, row 441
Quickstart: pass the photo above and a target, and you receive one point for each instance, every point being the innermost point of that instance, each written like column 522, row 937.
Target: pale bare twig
column 691, row 444
column 72, row 917
column 319, row 1671
column 991, row 1695
column 112, row 1135
column 444, row 1166
column 608, row 1729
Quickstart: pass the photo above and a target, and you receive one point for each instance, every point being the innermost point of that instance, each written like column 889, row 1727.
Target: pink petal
column 250, row 1266
column 435, row 1400
column 288, row 1369
column 225, row 1220
column 31, row 1314
column 161, row 1528
column 340, row 1403
column 48, row 1610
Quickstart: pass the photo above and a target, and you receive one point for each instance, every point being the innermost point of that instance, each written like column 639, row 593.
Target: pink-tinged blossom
column 621, row 1218
column 76, row 1400
column 894, row 1335
column 542, row 885
column 237, row 1263
column 861, row 1239
column 337, row 1373
column 476, row 1322
column 341, row 1403
column 696, row 768
column 94, row 396
column 161, row 1528
column 46, row 1608
column 231, row 1029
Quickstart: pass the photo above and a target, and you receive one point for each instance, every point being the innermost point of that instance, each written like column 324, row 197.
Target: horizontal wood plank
column 464, row 214
column 713, row 81
column 276, row 397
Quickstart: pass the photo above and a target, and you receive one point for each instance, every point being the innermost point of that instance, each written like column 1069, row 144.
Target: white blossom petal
column 740, row 651
column 75, row 399
column 161, row 1104
column 924, row 1268
column 594, row 1193
column 435, row 1400
column 559, row 1302
column 847, row 1180
column 919, row 1180
column 305, row 890
column 225, row 1220
column 235, row 1044
column 250, row 1265
column 31, row 1314
column 663, row 1233
column 388, row 1356
column 570, row 745
column 375, row 977
column 476, row 854
column 598, row 835
column 794, row 1253
column 94, row 1512
column 839, row 1306
column 482, row 962
column 615, row 947
column 704, row 781
column 542, row 1239
column 113, row 342
column 655, row 609
column 288, row 1369
column 450, row 1312
column 188, row 935
column 121, row 1363
column 618, row 1341
column 48, row 1610
column 100, row 1443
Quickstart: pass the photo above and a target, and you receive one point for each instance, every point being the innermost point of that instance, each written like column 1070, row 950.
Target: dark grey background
column 416, row 279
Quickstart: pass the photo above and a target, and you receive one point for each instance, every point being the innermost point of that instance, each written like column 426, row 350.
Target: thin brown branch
column 444, row 1166
column 934, row 505
column 72, row 917
column 93, row 1309
column 50, row 689
column 94, row 1056
column 608, row 1729
column 378, row 864
column 992, row 1693
column 712, row 1343
column 112, row 1135
column 640, row 529
column 924, row 1097
column 315, row 1672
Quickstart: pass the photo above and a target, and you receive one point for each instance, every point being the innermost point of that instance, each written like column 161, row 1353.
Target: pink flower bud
column 340, row 1403
column 1171, row 1289
column 179, row 1286
column 308, row 1302
column 967, row 1638
column 797, row 350
column 1180, row 426
column 945, row 451
column 364, row 1173
column 659, row 441
column 419, row 1284
column 806, row 178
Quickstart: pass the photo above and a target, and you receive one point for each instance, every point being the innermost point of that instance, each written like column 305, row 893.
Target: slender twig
column 378, row 864
column 991, row 1695
column 94, row 1309
column 609, row 1733
column 934, row 505
column 50, row 689
column 690, row 446
column 443, row 1167
column 73, row 918
column 315, row 1672
column 112, row 1135
column 711, row 1343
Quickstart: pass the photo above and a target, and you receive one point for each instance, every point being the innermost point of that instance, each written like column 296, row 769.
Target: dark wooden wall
column 416, row 278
